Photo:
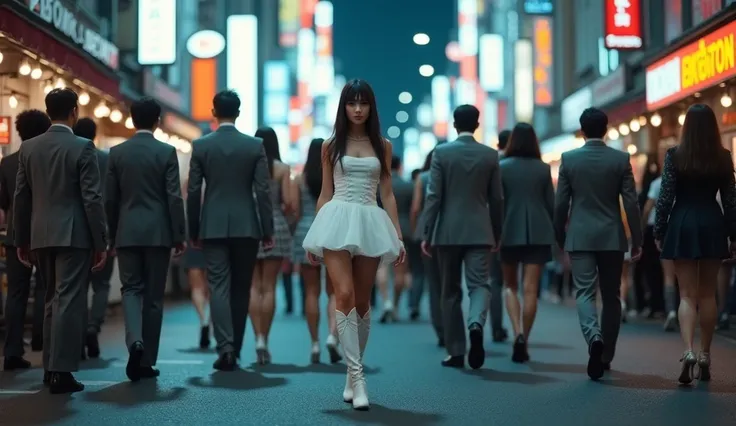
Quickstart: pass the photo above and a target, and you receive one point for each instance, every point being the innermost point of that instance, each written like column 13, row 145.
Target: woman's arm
column 296, row 196
column 416, row 203
column 286, row 188
column 728, row 201
column 666, row 196
column 387, row 194
column 328, row 186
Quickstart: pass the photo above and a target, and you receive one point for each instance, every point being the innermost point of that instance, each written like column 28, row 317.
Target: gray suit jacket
column 58, row 200
column 421, row 222
column 529, row 199
column 143, row 197
column 464, row 202
column 403, row 192
column 590, row 181
column 8, row 171
column 235, row 167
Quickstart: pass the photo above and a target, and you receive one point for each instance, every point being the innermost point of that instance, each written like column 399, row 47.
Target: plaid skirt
column 281, row 236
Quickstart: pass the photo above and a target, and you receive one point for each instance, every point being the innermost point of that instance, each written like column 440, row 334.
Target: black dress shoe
column 93, row 345
column 64, row 383
column 204, row 337
column 454, row 362
column 595, row 363
column 477, row 354
column 133, row 369
column 15, row 363
column 149, row 372
column 226, row 362
column 500, row 335
column 519, row 354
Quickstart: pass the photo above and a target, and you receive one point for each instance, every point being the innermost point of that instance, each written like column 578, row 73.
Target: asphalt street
column 407, row 385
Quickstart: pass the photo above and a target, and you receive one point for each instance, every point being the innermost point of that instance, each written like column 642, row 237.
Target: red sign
column 623, row 25
column 543, row 84
column 5, row 130
column 697, row 66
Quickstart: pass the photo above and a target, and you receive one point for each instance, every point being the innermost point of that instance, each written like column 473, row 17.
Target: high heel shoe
column 688, row 361
column 353, row 334
column 704, row 367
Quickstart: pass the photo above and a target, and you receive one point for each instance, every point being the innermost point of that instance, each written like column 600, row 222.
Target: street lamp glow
column 405, row 98
column 402, row 116
column 426, row 70
column 421, row 39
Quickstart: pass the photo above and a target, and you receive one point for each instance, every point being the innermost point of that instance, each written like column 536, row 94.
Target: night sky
column 373, row 41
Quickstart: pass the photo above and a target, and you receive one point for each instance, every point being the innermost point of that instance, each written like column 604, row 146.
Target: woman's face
column 357, row 111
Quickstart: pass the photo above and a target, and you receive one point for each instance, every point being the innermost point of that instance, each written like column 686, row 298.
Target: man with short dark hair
column 59, row 215
column 99, row 281
column 464, row 217
column 146, row 216
column 230, row 223
column 591, row 182
column 498, row 332
column 29, row 124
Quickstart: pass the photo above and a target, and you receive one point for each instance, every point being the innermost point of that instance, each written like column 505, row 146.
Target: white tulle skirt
column 362, row 230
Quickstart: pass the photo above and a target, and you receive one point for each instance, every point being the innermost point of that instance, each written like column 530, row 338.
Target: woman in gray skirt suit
column 528, row 236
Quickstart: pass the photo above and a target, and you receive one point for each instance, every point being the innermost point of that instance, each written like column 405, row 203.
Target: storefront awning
column 61, row 54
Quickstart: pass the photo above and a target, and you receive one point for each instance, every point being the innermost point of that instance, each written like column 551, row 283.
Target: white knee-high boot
column 364, row 329
column 348, row 327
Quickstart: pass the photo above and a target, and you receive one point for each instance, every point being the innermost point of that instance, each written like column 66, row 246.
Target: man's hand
column 426, row 249
column 268, row 243
column 635, row 254
column 100, row 257
column 179, row 249
column 24, row 256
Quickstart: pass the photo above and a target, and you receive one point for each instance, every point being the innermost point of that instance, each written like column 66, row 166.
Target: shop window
column 672, row 19
column 704, row 9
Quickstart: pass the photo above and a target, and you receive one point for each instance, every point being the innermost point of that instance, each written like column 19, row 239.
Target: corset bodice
column 356, row 180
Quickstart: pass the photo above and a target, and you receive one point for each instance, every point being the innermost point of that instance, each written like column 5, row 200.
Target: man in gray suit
column 146, row 216
column 99, row 281
column 498, row 332
column 59, row 215
column 230, row 223
column 590, row 183
column 464, row 218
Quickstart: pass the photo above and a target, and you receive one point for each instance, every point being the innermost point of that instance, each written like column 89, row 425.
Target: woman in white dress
column 350, row 233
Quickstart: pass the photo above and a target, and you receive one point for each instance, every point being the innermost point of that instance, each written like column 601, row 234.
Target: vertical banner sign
column 491, row 64
column 288, row 22
column 157, row 32
column 242, row 75
column 324, row 73
column 543, row 84
column 523, row 81
column 623, row 25
column 307, row 13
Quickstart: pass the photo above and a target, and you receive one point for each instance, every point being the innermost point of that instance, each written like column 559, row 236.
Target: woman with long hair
column 304, row 193
column 691, row 229
column 528, row 236
column 268, row 265
column 350, row 232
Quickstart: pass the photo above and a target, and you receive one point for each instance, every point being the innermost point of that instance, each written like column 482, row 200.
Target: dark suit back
column 403, row 192
column 529, row 198
column 8, row 171
column 144, row 204
column 234, row 166
column 58, row 200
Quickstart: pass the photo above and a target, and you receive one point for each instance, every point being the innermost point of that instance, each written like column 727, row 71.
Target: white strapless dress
column 352, row 220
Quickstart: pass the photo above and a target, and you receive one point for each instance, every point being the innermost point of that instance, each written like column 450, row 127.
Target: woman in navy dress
column 693, row 231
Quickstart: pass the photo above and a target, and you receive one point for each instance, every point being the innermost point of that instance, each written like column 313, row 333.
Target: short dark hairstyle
column 86, row 128
column 523, row 142
column 395, row 162
column 60, row 103
column 466, row 118
column 594, row 123
column 226, row 104
column 31, row 123
column 503, row 139
column 145, row 113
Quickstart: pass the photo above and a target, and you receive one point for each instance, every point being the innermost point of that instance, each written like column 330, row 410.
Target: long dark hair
column 428, row 161
column 313, row 168
column 523, row 142
column 700, row 152
column 357, row 91
column 270, row 145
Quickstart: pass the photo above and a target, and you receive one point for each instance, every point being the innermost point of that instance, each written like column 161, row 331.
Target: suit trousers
column 16, row 304
column 143, row 272
column 65, row 272
column 100, row 284
column 230, row 264
column 477, row 264
column 434, row 286
column 598, row 269
column 496, row 311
